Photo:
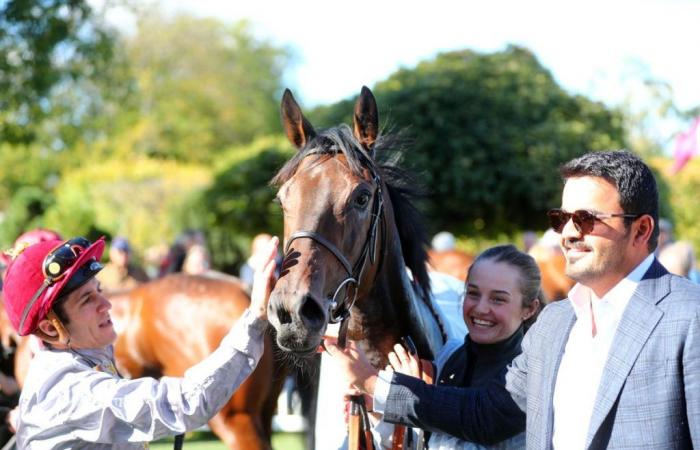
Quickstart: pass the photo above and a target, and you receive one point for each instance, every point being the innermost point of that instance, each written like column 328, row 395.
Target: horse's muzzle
column 299, row 325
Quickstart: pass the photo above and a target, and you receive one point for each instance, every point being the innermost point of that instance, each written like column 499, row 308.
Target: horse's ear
column 298, row 129
column 366, row 119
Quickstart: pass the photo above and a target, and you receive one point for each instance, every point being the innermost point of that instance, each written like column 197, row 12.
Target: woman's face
column 493, row 305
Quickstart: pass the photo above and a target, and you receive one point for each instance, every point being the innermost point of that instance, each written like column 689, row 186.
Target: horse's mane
column 400, row 184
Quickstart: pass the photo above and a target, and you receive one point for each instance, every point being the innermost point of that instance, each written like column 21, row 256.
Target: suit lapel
column 562, row 326
column 636, row 325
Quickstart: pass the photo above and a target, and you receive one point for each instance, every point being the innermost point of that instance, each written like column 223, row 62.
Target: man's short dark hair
column 633, row 179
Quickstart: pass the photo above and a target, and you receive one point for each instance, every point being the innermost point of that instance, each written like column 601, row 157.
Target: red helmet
column 29, row 238
column 42, row 272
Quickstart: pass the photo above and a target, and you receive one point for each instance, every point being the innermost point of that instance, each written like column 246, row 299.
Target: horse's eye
column 362, row 200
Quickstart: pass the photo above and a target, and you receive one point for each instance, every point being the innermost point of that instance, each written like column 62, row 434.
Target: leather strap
column 359, row 428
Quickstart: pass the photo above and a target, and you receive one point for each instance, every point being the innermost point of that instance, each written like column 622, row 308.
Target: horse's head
column 333, row 203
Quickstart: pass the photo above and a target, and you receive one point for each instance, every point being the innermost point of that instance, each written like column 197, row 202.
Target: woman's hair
column 530, row 278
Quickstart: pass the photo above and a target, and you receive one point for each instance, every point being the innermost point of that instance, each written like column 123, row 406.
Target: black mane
column 400, row 185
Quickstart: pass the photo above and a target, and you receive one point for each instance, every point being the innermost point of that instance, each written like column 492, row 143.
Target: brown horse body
column 170, row 324
column 350, row 234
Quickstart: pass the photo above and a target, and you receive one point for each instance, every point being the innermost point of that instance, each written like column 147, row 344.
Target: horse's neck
column 393, row 309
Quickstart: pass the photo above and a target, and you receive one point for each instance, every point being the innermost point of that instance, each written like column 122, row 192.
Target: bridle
column 339, row 311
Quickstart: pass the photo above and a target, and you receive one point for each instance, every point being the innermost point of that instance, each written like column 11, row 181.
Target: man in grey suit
column 616, row 365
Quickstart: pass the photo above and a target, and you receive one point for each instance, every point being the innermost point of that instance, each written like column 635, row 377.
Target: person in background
column 530, row 239
column 443, row 241
column 678, row 258
column 256, row 249
column 121, row 273
column 665, row 234
column 178, row 251
column 197, row 261
column 73, row 396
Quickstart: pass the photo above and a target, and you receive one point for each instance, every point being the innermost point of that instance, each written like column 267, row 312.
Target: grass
column 202, row 440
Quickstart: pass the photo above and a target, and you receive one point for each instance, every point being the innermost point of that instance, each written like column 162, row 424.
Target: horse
column 351, row 237
column 167, row 325
column 350, row 233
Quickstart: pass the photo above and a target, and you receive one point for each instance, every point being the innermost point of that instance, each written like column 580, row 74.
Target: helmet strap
column 63, row 336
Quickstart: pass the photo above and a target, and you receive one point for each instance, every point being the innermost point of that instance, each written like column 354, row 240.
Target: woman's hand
column 403, row 362
column 264, row 280
column 353, row 362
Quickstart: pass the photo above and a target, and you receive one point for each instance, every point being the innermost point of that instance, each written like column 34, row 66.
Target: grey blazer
column 649, row 396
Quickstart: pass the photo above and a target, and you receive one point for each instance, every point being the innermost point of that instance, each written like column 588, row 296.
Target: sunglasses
column 584, row 221
column 59, row 260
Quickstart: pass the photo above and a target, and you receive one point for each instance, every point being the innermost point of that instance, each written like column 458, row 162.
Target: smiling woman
column 502, row 298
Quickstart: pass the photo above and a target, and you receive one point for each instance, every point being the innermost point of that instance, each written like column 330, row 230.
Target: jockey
column 73, row 396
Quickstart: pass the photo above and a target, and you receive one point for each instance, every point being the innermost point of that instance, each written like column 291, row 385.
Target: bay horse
column 167, row 325
column 350, row 233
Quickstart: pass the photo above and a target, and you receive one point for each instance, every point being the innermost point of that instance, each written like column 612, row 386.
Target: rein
column 339, row 311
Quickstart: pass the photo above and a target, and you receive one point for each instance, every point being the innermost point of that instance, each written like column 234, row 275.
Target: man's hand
column 264, row 280
column 352, row 361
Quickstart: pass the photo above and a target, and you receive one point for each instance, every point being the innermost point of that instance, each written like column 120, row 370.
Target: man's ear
column 47, row 332
column 644, row 229
column 52, row 330
column 47, row 328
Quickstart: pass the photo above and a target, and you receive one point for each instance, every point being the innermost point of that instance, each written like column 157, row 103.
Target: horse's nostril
column 311, row 313
column 282, row 314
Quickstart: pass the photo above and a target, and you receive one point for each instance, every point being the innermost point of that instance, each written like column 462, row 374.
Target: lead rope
column 179, row 441
column 359, row 427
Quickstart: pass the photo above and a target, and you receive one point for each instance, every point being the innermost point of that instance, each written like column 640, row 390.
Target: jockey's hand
column 12, row 419
column 360, row 374
column 264, row 280
column 404, row 362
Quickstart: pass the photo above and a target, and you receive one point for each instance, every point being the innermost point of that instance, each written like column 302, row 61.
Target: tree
column 46, row 46
column 239, row 203
column 23, row 213
column 202, row 87
column 488, row 133
column 136, row 198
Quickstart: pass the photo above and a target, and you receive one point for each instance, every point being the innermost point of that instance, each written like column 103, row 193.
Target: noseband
column 339, row 311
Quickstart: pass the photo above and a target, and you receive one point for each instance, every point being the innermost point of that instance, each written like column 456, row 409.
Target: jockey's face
column 89, row 323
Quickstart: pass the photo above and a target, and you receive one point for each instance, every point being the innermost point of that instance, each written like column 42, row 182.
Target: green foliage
column 47, row 48
column 135, row 198
column 488, row 134
column 239, row 204
column 681, row 200
column 202, row 87
column 24, row 213
column 26, row 165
